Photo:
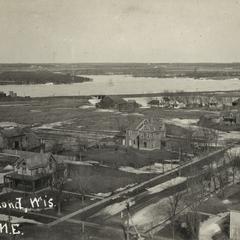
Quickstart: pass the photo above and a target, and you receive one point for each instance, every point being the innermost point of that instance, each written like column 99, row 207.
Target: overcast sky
column 120, row 31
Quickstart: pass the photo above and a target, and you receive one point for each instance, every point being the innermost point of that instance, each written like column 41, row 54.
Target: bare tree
column 234, row 163
column 81, row 185
column 57, row 186
column 192, row 200
column 173, row 204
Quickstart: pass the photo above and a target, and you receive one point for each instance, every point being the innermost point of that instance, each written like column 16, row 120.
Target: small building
column 148, row 134
column 230, row 118
column 236, row 103
column 154, row 103
column 213, row 102
column 2, row 94
column 118, row 103
column 33, row 172
column 19, row 138
column 12, row 94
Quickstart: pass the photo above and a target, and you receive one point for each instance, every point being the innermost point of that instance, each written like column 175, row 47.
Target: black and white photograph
column 120, row 120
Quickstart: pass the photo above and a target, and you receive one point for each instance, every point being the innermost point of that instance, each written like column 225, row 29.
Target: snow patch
column 5, row 218
column 226, row 201
column 105, row 110
column 8, row 124
column 86, row 106
column 155, row 168
column 210, row 227
column 55, row 124
column 168, row 184
column 151, row 215
column 103, row 194
column 115, row 208
column 126, row 187
column 185, row 123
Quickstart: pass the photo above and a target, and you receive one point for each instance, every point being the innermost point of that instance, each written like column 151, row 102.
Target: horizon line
column 12, row 63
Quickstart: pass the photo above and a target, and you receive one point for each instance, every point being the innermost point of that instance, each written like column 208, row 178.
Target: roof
column 116, row 99
column 152, row 125
column 236, row 100
column 12, row 132
column 35, row 160
column 154, row 101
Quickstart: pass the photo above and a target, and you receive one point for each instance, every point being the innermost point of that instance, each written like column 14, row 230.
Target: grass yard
column 55, row 109
column 128, row 157
column 101, row 179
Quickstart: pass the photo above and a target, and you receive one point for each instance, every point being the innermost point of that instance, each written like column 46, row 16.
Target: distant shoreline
column 39, row 77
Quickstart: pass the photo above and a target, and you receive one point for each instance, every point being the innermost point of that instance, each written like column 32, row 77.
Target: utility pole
column 128, row 209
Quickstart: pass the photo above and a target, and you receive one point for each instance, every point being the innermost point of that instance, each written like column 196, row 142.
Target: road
column 138, row 188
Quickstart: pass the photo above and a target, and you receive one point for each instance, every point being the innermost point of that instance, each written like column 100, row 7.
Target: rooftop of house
column 116, row 99
column 152, row 125
column 154, row 101
column 34, row 160
column 12, row 132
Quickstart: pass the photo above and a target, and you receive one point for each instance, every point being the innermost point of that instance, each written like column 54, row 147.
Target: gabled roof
column 34, row 160
column 116, row 99
column 12, row 132
column 236, row 100
column 151, row 125
column 154, row 101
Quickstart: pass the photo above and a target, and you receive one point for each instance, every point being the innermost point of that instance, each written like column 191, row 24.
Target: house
column 33, row 171
column 148, row 134
column 213, row 102
column 19, row 138
column 236, row 102
column 230, row 118
column 2, row 94
column 154, row 103
column 115, row 102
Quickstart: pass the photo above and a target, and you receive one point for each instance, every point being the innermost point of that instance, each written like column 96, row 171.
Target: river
column 122, row 84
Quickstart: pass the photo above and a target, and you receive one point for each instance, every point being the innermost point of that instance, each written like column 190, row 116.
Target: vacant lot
column 128, row 157
column 101, row 179
column 40, row 111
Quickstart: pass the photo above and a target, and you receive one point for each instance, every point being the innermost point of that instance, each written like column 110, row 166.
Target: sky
column 52, row 31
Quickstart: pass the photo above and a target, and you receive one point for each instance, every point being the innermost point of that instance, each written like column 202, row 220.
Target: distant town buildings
column 148, row 134
column 118, row 103
column 12, row 94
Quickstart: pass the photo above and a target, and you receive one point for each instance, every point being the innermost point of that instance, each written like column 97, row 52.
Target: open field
column 101, row 179
column 80, row 114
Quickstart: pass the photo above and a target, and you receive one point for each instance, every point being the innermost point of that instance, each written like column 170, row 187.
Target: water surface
column 121, row 84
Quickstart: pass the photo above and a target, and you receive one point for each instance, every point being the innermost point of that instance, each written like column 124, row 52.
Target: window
column 50, row 164
column 145, row 144
column 24, row 168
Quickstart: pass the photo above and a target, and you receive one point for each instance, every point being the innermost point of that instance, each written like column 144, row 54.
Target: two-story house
column 148, row 134
column 33, row 171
